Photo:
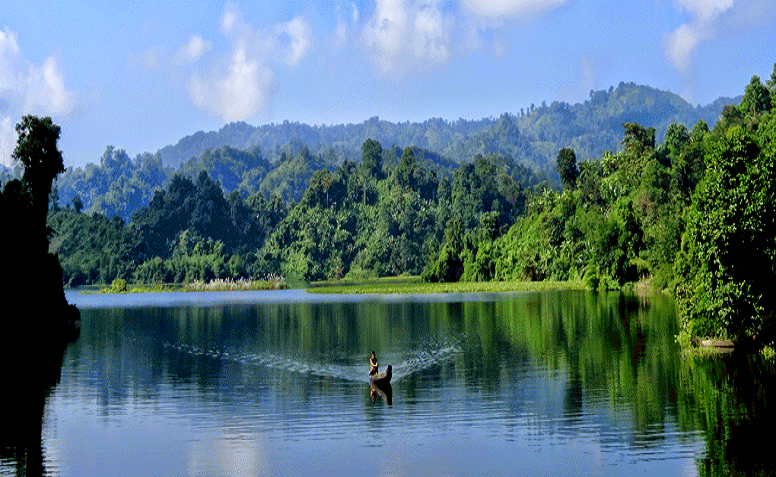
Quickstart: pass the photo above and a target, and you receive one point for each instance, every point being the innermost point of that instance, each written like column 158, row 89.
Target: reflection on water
column 384, row 390
column 572, row 383
column 29, row 374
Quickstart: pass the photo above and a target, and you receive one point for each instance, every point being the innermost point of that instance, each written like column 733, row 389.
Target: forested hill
column 532, row 137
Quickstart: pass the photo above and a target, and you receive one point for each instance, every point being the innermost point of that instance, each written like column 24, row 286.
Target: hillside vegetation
column 694, row 213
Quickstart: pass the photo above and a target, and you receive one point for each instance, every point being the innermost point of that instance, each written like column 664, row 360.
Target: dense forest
column 367, row 218
column 280, row 159
column 532, row 136
column 691, row 213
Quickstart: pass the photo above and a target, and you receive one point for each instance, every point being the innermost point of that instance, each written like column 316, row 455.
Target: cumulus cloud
column 239, row 86
column 38, row 89
column 510, row 8
column 28, row 88
column 685, row 39
column 231, row 18
column 300, row 37
column 242, row 93
column 344, row 27
column 195, row 48
column 46, row 90
column 403, row 34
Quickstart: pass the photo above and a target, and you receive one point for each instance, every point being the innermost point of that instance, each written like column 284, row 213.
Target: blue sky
column 141, row 76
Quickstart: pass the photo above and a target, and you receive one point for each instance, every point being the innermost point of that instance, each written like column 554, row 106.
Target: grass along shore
column 386, row 285
column 268, row 283
column 414, row 285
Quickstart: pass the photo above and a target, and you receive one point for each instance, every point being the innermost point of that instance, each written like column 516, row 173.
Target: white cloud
column 239, row 86
column 241, row 94
column 11, row 63
column 685, row 39
column 231, row 17
column 706, row 10
column 342, row 30
column 7, row 140
column 47, row 92
column 406, row 34
column 30, row 88
column 510, row 8
column 27, row 88
column 298, row 31
column 431, row 35
column 195, row 48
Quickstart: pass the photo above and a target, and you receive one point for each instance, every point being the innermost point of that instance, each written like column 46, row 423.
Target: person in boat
column 373, row 364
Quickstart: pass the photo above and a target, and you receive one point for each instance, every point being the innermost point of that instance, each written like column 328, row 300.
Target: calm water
column 275, row 383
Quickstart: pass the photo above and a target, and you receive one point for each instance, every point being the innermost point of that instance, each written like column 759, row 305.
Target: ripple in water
column 429, row 355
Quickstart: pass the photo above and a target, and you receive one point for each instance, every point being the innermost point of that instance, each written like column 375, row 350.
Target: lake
column 275, row 383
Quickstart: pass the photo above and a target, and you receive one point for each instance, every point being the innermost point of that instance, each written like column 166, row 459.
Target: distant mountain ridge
column 532, row 137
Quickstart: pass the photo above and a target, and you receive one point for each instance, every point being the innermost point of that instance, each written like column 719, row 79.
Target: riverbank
column 414, row 285
column 271, row 283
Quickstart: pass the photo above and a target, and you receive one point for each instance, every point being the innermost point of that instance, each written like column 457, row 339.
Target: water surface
column 275, row 383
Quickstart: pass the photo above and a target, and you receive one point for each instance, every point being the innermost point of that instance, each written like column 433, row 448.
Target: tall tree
column 567, row 168
column 756, row 98
column 372, row 158
column 36, row 149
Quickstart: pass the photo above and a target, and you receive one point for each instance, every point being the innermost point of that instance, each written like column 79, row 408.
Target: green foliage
column 727, row 255
column 693, row 212
column 118, row 285
column 372, row 158
column 448, row 266
column 567, row 168
column 91, row 248
column 756, row 98
column 37, row 317
column 36, row 149
column 533, row 138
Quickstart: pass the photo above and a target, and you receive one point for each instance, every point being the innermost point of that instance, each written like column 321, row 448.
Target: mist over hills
column 532, row 136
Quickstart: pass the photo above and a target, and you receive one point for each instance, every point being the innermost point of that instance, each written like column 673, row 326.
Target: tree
column 372, row 158
column 448, row 265
column 36, row 149
column 639, row 145
column 37, row 315
column 567, row 168
column 756, row 98
column 77, row 204
column 772, row 86
column 728, row 254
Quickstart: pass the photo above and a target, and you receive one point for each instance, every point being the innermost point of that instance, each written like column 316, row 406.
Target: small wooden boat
column 380, row 384
column 381, row 378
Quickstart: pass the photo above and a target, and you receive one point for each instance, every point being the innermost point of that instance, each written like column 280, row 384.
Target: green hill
column 532, row 137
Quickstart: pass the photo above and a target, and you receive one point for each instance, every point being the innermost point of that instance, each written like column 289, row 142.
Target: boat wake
column 428, row 355
column 271, row 360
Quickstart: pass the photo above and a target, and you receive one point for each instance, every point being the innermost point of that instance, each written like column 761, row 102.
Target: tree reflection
column 613, row 356
column 37, row 320
column 727, row 397
column 28, row 381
